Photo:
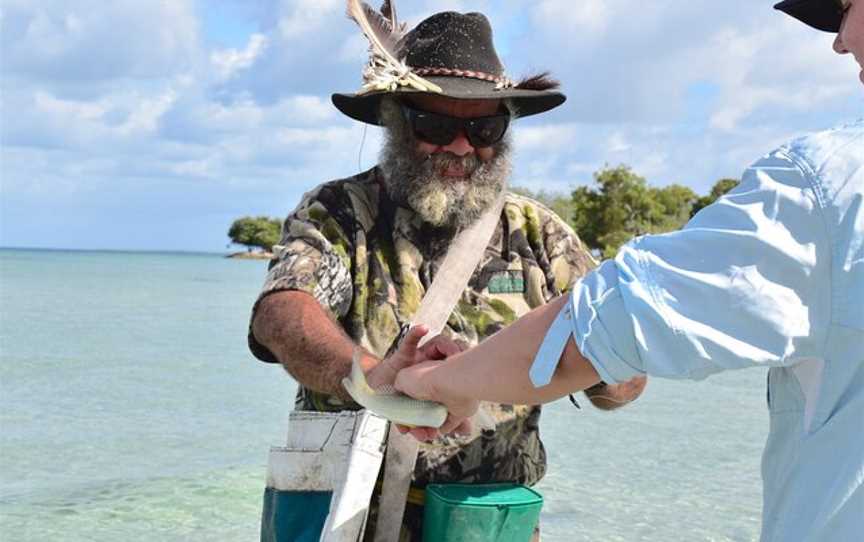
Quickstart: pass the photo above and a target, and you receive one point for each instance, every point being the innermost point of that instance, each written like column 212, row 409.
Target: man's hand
column 410, row 353
column 611, row 396
column 418, row 382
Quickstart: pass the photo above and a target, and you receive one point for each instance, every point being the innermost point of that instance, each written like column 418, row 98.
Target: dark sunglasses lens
column 435, row 129
column 487, row 131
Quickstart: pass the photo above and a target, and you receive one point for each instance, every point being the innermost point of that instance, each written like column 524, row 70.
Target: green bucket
column 480, row 513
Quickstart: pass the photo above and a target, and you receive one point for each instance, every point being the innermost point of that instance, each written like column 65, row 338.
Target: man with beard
column 358, row 254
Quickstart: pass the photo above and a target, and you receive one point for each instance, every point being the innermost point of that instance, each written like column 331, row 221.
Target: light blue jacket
column 770, row 275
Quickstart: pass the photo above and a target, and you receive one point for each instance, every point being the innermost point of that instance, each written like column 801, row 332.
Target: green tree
column 675, row 204
column 621, row 205
column 720, row 187
column 255, row 232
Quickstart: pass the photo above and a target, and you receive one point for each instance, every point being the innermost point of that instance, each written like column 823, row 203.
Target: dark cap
column 820, row 14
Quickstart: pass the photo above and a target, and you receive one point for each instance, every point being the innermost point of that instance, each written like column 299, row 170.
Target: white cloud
column 304, row 18
column 87, row 40
column 617, row 142
column 639, row 67
column 582, row 16
column 684, row 92
column 229, row 61
column 210, row 121
column 354, row 49
column 144, row 117
column 752, row 76
column 69, row 109
column 117, row 115
column 206, row 168
column 544, row 138
column 304, row 110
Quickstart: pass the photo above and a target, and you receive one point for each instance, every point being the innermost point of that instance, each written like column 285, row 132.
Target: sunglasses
column 441, row 129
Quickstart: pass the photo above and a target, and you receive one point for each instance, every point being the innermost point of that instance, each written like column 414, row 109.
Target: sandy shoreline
column 251, row 255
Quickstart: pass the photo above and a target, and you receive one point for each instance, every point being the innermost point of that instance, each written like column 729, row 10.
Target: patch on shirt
column 507, row 282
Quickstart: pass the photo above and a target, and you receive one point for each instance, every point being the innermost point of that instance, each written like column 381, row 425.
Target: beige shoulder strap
column 459, row 264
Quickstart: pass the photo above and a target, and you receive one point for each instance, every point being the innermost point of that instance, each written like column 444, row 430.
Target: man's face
column 850, row 39
column 463, row 109
column 448, row 185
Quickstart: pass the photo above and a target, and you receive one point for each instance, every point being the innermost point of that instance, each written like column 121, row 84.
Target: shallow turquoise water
column 130, row 407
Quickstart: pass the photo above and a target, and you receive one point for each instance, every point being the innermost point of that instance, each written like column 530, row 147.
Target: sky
column 133, row 125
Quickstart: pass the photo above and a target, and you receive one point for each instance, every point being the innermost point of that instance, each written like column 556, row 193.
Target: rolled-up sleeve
column 745, row 283
column 312, row 257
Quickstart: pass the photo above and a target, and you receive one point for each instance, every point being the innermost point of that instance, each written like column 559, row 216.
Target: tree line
column 616, row 207
column 620, row 205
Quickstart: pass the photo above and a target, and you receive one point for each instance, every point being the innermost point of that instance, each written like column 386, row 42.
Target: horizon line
column 117, row 250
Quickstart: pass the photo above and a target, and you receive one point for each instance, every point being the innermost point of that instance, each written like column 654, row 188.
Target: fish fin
column 483, row 420
column 358, row 378
column 349, row 387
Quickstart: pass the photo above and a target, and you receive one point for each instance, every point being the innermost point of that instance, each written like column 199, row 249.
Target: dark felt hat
column 455, row 52
column 820, row 14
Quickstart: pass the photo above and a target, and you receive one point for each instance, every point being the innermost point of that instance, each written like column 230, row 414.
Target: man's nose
column 460, row 146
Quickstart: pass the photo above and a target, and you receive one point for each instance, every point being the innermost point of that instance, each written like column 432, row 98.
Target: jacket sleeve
column 312, row 257
column 745, row 283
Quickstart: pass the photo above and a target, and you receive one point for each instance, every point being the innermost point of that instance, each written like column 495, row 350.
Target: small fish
column 392, row 405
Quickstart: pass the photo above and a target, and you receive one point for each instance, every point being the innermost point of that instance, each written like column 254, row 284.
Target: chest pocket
column 502, row 287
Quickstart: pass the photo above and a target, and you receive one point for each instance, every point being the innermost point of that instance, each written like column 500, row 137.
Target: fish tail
column 358, row 379
column 349, row 387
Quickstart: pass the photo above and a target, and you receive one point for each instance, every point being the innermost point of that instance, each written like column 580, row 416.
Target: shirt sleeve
column 745, row 283
column 312, row 257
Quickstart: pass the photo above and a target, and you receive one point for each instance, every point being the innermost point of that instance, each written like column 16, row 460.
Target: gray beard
column 414, row 181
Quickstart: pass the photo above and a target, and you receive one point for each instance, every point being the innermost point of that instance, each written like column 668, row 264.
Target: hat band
column 499, row 80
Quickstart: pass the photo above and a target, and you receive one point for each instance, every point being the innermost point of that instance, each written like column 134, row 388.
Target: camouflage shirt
column 369, row 263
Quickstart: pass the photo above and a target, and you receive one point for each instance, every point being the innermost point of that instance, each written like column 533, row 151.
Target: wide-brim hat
column 820, row 14
column 453, row 55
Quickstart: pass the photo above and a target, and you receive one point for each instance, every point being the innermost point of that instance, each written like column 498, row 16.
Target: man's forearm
column 497, row 369
column 306, row 341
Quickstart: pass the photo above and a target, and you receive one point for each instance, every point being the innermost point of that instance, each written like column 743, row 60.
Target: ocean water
column 130, row 408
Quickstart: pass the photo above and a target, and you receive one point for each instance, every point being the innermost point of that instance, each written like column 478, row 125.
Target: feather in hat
column 388, row 10
column 386, row 70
